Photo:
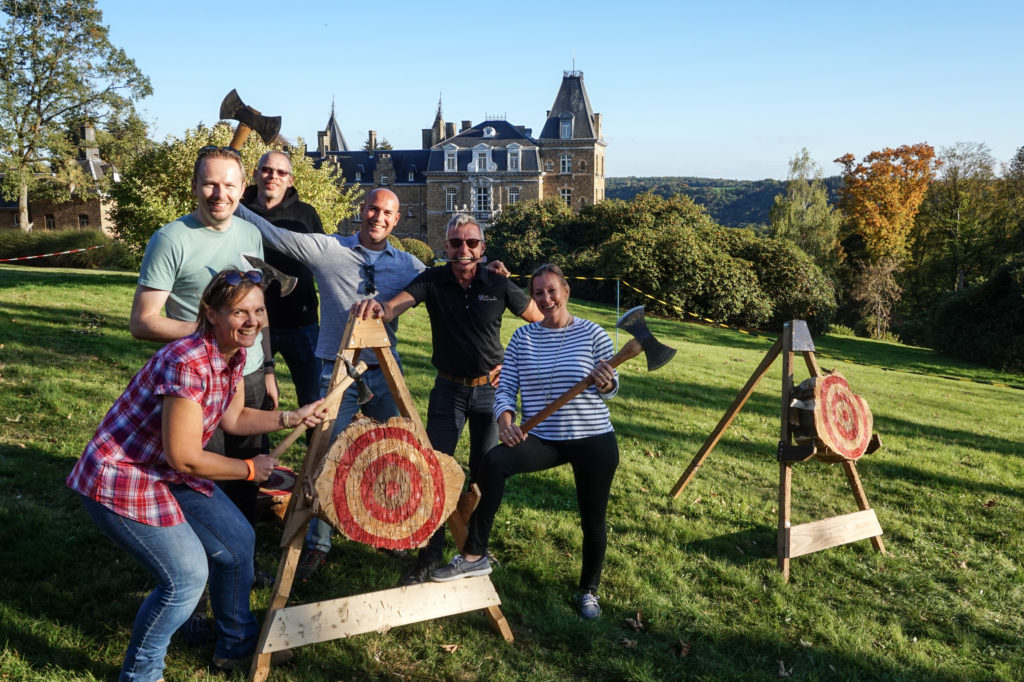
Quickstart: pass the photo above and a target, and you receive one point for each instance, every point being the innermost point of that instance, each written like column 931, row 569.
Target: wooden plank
column 727, row 418
column 376, row 611
column 838, row 530
column 853, row 478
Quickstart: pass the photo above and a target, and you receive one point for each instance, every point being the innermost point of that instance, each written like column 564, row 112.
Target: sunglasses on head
column 234, row 278
column 370, row 287
column 456, row 242
column 213, row 149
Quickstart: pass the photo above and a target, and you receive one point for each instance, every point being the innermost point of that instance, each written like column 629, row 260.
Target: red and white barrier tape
column 59, row 253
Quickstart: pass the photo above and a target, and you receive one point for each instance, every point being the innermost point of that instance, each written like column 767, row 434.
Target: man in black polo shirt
column 465, row 303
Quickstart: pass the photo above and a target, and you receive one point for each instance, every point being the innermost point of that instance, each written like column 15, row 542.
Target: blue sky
column 726, row 89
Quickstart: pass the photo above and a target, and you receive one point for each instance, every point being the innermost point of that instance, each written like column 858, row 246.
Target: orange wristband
column 252, row 470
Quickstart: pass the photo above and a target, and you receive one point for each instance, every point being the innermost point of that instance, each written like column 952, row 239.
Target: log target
column 382, row 486
column 827, row 411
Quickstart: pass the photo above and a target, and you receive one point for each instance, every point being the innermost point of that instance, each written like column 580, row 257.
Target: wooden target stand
column 794, row 541
column 286, row 627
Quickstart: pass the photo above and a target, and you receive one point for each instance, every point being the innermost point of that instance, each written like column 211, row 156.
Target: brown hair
column 219, row 294
column 552, row 269
column 212, row 152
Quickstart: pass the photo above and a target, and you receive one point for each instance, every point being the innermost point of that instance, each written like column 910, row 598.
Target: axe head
column 655, row 351
column 287, row 282
column 234, row 109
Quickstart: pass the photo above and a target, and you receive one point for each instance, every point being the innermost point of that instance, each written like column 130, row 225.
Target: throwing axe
column 270, row 273
column 657, row 353
column 249, row 120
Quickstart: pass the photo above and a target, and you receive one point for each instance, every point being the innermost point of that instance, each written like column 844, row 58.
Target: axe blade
column 287, row 282
column 657, row 353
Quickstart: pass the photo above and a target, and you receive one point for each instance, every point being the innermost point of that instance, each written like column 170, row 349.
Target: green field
column 698, row 572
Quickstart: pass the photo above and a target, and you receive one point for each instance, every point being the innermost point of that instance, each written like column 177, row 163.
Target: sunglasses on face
column 235, row 278
column 370, row 287
column 271, row 172
column 213, row 149
column 456, row 243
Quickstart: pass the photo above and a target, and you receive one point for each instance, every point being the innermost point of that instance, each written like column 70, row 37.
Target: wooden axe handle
column 241, row 135
column 332, row 397
column 627, row 352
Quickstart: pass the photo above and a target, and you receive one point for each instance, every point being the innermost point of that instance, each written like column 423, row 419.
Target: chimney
column 597, row 126
column 88, row 136
column 321, row 142
column 427, row 138
column 466, row 125
column 449, row 130
column 373, row 140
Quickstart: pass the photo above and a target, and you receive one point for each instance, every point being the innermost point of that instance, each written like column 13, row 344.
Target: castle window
column 489, row 131
column 449, row 160
column 359, row 176
column 565, row 163
column 481, row 161
column 513, row 195
column 582, row 166
column 383, row 178
column 412, row 176
column 548, row 166
column 483, row 199
column 513, row 159
column 51, row 221
column 83, row 220
column 566, row 194
column 450, row 194
column 565, row 126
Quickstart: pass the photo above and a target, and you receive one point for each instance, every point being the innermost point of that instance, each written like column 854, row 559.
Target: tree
column 382, row 145
column 803, row 215
column 881, row 196
column 155, row 186
column 878, row 293
column 57, row 68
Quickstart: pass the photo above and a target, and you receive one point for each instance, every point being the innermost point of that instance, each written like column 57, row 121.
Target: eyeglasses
column 456, row 243
column 271, row 172
column 234, row 278
column 370, row 287
column 213, row 149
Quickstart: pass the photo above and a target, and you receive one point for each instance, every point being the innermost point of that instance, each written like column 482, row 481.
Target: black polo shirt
column 465, row 324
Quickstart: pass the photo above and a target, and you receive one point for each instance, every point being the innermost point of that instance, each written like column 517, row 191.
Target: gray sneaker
column 588, row 606
column 460, row 568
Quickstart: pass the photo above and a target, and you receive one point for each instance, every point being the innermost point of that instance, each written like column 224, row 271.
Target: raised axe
column 657, row 353
column 269, row 272
column 249, row 120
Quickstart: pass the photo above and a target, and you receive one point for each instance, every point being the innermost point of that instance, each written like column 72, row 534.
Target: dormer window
column 383, row 178
column 412, row 176
column 481, row 161
column 450, row 159
column 359, row 176
column 489, row 131
column 565, row 126
column 514, row 156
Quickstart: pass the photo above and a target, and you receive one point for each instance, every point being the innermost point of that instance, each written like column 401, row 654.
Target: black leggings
column 593, row 459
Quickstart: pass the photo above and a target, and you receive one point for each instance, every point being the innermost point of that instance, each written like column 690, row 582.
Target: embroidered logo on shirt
column 486, row 298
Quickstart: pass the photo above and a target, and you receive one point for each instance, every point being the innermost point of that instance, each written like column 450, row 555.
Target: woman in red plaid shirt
column 147, row 482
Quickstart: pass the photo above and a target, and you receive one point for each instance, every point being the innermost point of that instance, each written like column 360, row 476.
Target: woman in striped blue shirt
column 543, row 360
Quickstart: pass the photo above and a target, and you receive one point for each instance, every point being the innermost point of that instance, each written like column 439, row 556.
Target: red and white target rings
column 383, row 487
column 843, row 419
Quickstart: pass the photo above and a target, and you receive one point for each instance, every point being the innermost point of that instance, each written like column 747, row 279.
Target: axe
column 249, row 120
column 269, row 272
column 658, row 354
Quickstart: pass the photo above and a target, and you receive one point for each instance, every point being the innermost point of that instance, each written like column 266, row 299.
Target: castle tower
column 572, row 149
column 331, row 139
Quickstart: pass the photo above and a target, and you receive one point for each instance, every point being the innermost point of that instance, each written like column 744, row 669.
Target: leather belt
column 466, row 381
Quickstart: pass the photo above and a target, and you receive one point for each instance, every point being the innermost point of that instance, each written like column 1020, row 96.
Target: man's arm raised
column 146, row 321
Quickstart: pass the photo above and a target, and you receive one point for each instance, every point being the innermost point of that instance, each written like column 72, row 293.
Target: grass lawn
column 948, row 488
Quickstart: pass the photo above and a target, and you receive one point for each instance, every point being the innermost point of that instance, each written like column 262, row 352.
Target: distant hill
column 732, row 203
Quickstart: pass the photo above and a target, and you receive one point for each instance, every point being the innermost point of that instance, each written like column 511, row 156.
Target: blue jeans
column 451, row 406
column 216, row 540
column 297, row 346
column 382, row 407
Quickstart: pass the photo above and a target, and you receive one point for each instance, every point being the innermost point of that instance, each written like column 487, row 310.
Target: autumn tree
column 882, row 194
column 878, row 292
column 803, row 214
column 155, row 186
column 57, row 68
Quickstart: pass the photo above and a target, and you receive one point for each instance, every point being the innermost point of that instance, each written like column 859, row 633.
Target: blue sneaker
column 588, row 606
column 460, row 568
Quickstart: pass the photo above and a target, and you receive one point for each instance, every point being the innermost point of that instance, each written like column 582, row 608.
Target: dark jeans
column 593, row 460
column 243, row 493
column 297, row 346
column 451, row 406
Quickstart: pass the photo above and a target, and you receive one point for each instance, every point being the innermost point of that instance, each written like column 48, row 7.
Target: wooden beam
column 832, row 532
column 376, row 611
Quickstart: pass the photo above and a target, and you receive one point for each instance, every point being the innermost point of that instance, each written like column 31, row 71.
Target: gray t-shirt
column 183, row 256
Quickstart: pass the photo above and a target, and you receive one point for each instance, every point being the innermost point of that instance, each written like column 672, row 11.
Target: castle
column 480, row 168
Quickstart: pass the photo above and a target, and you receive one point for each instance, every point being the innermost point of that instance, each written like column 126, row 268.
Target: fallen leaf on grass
column 16, row 420
column 627, row 643
column 684, row 649
column 697, row 500
column 450, row 648
column 991, row 503
column 644, row 490
column 636, row 623
column 963, row 564
column 782, row 670
column 805, row 644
